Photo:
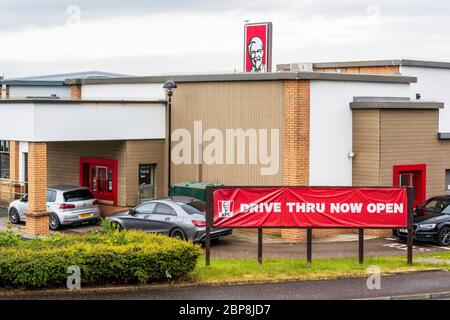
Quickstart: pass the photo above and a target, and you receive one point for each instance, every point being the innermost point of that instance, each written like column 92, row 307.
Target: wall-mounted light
column 351, row 155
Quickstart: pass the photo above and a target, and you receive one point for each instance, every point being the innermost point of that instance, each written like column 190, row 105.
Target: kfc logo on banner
column 258, row 47
column 226, row 208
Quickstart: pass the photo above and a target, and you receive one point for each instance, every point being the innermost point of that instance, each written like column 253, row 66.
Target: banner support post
column 309, row 245
column 260, row 245
column 361, row 245
column 209, row 223
column 411, row 192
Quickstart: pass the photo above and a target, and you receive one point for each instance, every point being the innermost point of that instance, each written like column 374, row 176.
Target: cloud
column 146, row 37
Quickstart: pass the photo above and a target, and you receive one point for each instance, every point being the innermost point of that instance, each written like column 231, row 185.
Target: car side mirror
column 132, row 212
column 24, row 199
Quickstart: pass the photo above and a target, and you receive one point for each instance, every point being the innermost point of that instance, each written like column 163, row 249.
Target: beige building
column 327, row 127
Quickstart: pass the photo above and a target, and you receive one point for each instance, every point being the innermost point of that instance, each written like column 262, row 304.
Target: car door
column 140, row 217
column 164, row 217
column 22, row 207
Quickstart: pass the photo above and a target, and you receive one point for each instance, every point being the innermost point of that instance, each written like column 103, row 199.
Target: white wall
column 23, row 148
column 331, row 127
column 433, row 84
column 63, row 92
column 127, row 91
column 81, row 121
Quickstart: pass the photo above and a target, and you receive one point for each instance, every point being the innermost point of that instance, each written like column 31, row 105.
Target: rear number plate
column 86, row 215
column 403, row 230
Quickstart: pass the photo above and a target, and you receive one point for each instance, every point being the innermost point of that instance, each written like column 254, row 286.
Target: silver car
column 68, row 205
column 178, row 217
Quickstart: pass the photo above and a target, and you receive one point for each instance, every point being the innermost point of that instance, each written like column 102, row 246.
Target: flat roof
column 75, row 101
column 269, row 76
column 58, row 79
column 392, row 103
column 383, row 63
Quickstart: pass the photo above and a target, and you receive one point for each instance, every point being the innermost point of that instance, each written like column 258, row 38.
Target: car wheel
column 116, row 226
column 178, row 234
column 95, row 221
column 444, row 236
column 14, row 216
column 54, row 222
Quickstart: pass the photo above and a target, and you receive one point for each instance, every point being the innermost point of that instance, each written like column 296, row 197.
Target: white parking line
column 424, row 244
column 437, row 247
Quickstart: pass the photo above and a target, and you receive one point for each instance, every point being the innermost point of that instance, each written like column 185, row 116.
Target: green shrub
column 103, row 258
column 9, row 238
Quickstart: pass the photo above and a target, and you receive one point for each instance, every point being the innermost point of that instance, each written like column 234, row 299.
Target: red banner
column 311, row 207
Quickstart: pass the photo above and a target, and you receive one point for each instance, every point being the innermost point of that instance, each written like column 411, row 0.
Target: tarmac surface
column 420, row 285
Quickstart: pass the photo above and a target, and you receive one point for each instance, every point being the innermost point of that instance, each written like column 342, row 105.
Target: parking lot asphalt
column 243, row 244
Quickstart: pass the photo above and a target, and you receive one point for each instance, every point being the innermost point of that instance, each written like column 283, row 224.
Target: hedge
column 127, row 257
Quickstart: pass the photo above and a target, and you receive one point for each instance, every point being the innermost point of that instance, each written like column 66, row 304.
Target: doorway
column 100, row 176
column 412, row 176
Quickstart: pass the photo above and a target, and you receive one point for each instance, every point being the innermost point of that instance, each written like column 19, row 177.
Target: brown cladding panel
column 411, row 138
column 366, row 138
column 228, row 105
column 63, row 161
column 144, row 152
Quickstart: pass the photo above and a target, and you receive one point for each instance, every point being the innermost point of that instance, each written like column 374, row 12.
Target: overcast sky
column 145, row 37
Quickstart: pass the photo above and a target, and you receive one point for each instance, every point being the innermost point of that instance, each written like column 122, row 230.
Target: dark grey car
column 178, row 217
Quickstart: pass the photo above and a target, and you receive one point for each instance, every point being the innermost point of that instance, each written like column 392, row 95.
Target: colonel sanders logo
column 226, row 209
column 256, row 55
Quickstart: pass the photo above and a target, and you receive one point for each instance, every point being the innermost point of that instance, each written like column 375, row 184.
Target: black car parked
column 431, row 221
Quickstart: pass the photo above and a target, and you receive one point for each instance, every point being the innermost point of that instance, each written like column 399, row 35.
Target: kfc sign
column 258, row 47
column 310, row 207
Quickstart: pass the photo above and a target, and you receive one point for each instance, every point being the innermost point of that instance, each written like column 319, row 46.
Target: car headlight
column 428, row 226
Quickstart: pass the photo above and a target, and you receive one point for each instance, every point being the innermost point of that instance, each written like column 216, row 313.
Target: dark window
column 4, row 159
column 437, row 205
column 78, row 195
column 164, row 210
column 145, row 209
column 51, row 196
column 191, row 210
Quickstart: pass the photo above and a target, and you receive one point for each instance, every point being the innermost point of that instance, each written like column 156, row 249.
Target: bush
column 114, row 257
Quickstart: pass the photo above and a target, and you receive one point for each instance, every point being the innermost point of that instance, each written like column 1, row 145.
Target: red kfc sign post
column 258, row 47
column 311, row 207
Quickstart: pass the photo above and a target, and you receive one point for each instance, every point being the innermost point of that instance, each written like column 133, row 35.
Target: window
column 4, row 159
column 436, row 205
column 447, row 179
column 145, row 209
column 165, row 210
column 51, row 195
column 191, row 210
column 78, row 195
column 146, row 180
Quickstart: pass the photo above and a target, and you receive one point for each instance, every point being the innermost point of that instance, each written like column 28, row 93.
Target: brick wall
column 296, row 124
column 75, row 91
column 37, row 216
column 387, row 70
column 14, row 160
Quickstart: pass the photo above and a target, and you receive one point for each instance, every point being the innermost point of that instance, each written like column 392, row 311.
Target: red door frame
column 422, row 168
column 102, row 162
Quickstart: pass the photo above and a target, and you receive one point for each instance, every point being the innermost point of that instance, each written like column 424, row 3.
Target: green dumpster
column 191, row 189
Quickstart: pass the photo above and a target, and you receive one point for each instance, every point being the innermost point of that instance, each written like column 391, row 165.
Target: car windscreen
column 191, row 210
column 78, row 195
column 436, row 205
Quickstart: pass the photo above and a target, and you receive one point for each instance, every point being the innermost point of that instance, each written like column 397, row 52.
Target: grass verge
column 248, row 270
